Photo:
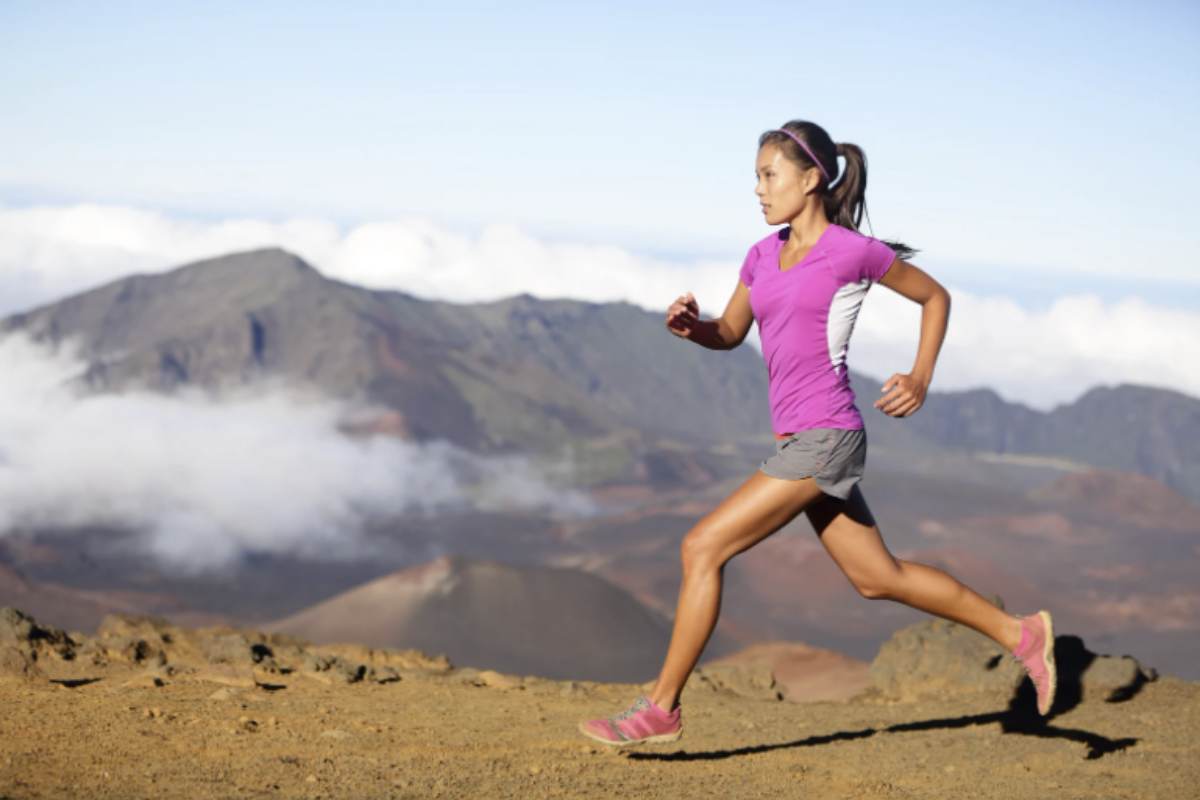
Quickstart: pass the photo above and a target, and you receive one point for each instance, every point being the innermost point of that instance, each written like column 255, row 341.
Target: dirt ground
column 132, row 731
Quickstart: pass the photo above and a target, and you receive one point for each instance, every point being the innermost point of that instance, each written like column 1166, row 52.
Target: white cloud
column 1040, row 357
column 46, row 253
column 204, row 479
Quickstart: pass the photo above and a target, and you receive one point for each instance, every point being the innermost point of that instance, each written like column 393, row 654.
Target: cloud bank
column 1041, row 357
column 204, row 480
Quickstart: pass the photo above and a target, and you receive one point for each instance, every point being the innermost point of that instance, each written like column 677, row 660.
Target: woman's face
column 782, row 186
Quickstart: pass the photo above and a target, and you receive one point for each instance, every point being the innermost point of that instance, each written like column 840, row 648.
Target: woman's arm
column 904, row 394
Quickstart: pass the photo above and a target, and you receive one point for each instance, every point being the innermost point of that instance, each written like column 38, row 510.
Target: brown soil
column 419, row 728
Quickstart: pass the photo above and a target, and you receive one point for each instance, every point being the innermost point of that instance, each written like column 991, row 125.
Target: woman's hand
column 903, row 395
column 682, row 315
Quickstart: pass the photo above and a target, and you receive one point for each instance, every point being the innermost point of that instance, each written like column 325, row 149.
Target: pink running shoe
column 642, row 722
column 1036, row 654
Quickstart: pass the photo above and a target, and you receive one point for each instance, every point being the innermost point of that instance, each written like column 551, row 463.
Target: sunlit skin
column 788, row 193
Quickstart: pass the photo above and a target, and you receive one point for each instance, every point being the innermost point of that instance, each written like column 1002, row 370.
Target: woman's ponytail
column 845, row 198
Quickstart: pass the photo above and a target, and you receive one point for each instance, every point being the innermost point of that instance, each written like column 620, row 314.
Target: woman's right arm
column 723, row 333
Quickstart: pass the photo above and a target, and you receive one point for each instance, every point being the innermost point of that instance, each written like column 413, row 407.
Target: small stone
column 384, row 674
column 311, row 779
column 497, row 680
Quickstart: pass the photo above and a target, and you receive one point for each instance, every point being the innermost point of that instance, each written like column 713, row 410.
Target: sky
column 1039, row 156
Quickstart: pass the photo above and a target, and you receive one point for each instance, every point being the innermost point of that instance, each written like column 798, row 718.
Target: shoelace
column 637, row 706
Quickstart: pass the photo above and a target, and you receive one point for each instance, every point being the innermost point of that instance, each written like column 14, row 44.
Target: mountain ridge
column 523, row 374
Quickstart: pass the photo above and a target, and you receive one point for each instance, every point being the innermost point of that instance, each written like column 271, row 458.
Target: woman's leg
column 755, row 510
column 850, row 535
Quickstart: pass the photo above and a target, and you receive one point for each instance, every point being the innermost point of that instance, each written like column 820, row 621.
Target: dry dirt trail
column 154, row 711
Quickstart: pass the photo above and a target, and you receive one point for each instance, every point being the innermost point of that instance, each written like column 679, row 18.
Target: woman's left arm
column 905, row 393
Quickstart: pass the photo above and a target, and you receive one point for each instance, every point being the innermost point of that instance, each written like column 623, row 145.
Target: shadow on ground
column 1073, row 659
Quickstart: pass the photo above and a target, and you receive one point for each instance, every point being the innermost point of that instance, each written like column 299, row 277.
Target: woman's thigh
column 848, row 531
column 760, row 506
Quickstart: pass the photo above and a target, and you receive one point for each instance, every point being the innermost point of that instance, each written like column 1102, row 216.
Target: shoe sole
column 1048, row 659
column 661, row 738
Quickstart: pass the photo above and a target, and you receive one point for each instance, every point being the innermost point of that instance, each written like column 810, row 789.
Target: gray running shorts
column 833, row 457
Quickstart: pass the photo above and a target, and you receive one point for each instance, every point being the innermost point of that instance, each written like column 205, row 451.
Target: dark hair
column 844, row 200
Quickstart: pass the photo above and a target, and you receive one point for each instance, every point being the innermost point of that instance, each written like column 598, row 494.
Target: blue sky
column 1029, row 150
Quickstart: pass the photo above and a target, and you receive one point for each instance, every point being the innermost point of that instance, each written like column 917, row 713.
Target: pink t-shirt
column 805, row 315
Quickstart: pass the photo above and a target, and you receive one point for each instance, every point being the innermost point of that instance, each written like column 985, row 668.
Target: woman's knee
column 878, row 586
column 699, row 549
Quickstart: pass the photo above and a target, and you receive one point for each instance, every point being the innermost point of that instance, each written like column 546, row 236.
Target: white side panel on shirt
column 843, row 310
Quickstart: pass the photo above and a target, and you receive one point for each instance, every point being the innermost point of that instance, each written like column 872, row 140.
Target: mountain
column 516, row 373
column 1059, row 508
column 1129, row 428
column 82, row 609
column 601, row 381
column 549, row 621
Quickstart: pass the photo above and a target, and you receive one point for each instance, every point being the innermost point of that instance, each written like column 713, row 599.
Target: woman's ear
column 812, row 180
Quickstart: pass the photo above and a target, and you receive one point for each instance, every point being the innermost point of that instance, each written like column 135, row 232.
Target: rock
column 315, row 662
column 15, row 625
column 401, row 660
column 140, row 639
column 383, row 674
column 1113, row 677
column 345, row 672
column 938, row 656
column 334, row 669
column 334, row 733
column 498, row 680
column 135, row 651
column 93, row 653
column 19, row 630
column 468, row 675
column 16, row 663
column 1109, row 672
column 229, row 647
column 755, row 681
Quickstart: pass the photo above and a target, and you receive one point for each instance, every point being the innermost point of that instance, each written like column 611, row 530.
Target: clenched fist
column 682, row 315
column 903, row 395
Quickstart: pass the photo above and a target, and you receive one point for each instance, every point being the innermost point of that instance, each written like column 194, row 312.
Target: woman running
column 804, row 285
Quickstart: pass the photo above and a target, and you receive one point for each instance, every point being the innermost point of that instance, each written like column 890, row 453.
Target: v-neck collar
column 811, row 251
